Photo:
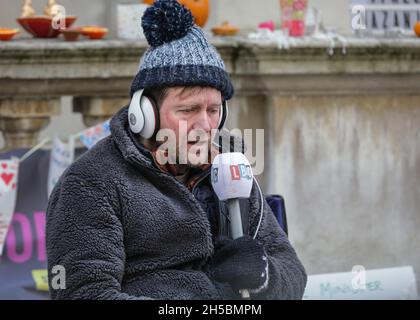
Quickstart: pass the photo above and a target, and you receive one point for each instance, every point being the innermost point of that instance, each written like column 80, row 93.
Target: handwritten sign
column 392, row 283
column 92, row 135
column 8, row 185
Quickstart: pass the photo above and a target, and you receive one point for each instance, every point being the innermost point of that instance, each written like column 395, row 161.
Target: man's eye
column 186, row 110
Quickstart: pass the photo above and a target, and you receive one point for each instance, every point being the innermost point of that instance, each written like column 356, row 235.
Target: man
column 126, row 225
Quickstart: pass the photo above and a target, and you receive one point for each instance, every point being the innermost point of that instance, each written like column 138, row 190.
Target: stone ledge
column 31, row 67
column 45, row 45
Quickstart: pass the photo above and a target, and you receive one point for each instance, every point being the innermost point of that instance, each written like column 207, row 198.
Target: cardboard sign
column 393, row 284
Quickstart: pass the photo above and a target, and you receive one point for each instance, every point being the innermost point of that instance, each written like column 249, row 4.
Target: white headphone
column 143, row 115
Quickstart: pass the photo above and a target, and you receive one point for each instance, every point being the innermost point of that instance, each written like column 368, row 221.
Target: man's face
column 191, row 114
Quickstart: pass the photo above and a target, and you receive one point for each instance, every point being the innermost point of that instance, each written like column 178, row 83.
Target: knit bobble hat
column 179, row 53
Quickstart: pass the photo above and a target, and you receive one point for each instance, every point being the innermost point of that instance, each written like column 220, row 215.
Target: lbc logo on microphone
column 237, row 172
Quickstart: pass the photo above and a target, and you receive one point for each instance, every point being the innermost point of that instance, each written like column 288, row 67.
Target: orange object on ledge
column 225, row 29
column 71, row 34
column 200, row 9
column 93, row 32
column 7, row 34
column 417, row 28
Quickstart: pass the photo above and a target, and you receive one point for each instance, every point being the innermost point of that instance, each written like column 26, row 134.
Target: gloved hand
column 242, row 263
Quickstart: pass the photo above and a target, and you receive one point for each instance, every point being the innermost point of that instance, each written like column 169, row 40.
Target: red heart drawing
column 7, row 177
column 4, row 165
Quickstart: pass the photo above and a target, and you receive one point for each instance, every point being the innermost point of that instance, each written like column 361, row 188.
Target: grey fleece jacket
column 123, row 229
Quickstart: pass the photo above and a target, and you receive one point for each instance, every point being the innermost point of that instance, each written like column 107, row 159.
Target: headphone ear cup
column 143, row 115
column 135, row 114
column 151, row 117
column 223, row 115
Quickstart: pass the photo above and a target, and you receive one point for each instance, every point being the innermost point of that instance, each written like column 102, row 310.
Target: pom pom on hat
column 179, row 53
column 165, row 21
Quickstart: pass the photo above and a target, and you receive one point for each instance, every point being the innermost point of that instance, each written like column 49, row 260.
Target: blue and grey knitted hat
column 179, row 53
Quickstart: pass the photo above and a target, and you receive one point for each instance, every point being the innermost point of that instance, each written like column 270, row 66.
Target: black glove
column 241, row 262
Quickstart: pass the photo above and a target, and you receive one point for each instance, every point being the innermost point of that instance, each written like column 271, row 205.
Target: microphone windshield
column 231, row 176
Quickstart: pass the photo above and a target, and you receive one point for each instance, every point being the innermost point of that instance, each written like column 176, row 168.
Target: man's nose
column 202, row 121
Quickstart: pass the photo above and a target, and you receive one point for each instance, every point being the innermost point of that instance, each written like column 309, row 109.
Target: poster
column 24, row 262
